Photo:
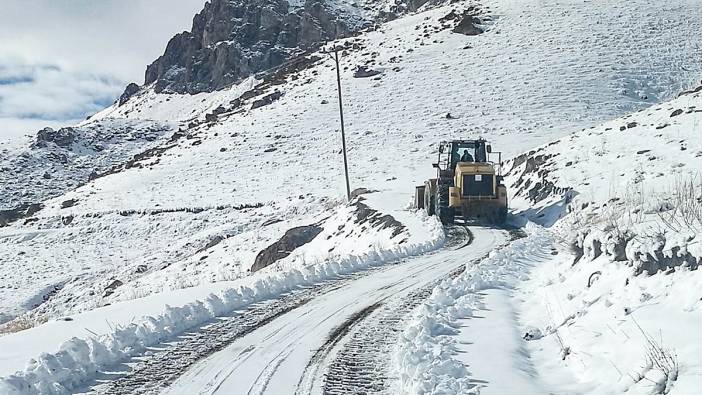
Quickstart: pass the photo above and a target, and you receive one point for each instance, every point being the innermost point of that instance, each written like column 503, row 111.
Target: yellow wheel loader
column 467, row 184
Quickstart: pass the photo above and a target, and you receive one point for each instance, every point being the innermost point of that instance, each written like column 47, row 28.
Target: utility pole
column 335, row 57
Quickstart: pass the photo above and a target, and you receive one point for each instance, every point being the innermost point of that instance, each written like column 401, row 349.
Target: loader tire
column 502, row 216
column 429, row 200
column 443, row 211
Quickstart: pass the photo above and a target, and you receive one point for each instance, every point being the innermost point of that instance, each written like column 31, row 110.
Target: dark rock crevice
column 24, row 210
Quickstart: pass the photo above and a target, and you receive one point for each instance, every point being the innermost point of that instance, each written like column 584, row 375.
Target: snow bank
column 644, row 252
column 424, row 359
column 628, row 188
column 595, row 317
column 79, row 359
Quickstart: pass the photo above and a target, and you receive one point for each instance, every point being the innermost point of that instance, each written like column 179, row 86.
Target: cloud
column 115, row 37
column 50, row 93
column 62, row 60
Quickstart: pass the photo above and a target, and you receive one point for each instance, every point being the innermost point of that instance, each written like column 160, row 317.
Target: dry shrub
column 19, row 324
column 682, row 208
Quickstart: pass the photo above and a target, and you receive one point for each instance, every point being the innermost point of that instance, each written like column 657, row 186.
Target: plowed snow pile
column 624, row 307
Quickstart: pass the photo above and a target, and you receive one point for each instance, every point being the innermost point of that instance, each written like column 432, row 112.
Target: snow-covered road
column 294, row 351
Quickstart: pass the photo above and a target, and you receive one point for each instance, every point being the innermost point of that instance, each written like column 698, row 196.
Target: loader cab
column 474, row 151
column 452, row 152
column 452, row 155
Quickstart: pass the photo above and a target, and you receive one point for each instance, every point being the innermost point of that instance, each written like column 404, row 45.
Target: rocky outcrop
column 400, row 7
column 62, row 160
column 291, row 240
column 365, row 72
column 130, row 91
column 63, row 137
column 468, row 25
column 466, row 22
column 232, row 39
column 23, row 211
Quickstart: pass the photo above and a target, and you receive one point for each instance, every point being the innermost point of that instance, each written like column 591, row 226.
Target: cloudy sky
column 62, row 60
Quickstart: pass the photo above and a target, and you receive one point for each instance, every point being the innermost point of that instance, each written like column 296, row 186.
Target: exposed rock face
column 62, row 160
column 467, row 21
column 131, row 90
column 365, row 72
column 400, row 7
column 24, row 210
column 293, row 238
column 63, row 137
column 468, row 25
column 232, row 39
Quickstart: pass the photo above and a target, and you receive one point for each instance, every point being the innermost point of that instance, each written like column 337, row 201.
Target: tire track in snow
column 307, row 380
column 261, row 382
column 359, row 366
column 354, row 358
column 259, row 387
column 154, row 373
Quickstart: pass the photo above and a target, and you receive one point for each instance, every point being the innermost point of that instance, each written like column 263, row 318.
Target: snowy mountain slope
column 632, row 179
column 139, row 230
column 60, row 160
column 394, row 119
column 528, row 65
column 354, row 239
column 298, row 116
column 607, row 300
column 623, row 305
column 540, row 71
column 652, row 147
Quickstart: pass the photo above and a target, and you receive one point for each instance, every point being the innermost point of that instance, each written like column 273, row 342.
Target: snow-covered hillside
column 622, row 307
column 507, row 84
column 630, row 188
column 57, row 161
column 606, row 300
column 189, row 189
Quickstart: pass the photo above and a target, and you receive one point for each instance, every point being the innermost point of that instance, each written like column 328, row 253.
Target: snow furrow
column 361, row 363
column 163, row 367
column 156, row 372
column 426, row 355
column 160, row 369
column 323, row 328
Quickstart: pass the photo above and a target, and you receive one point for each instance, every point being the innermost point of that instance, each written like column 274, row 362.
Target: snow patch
column 425, row 358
